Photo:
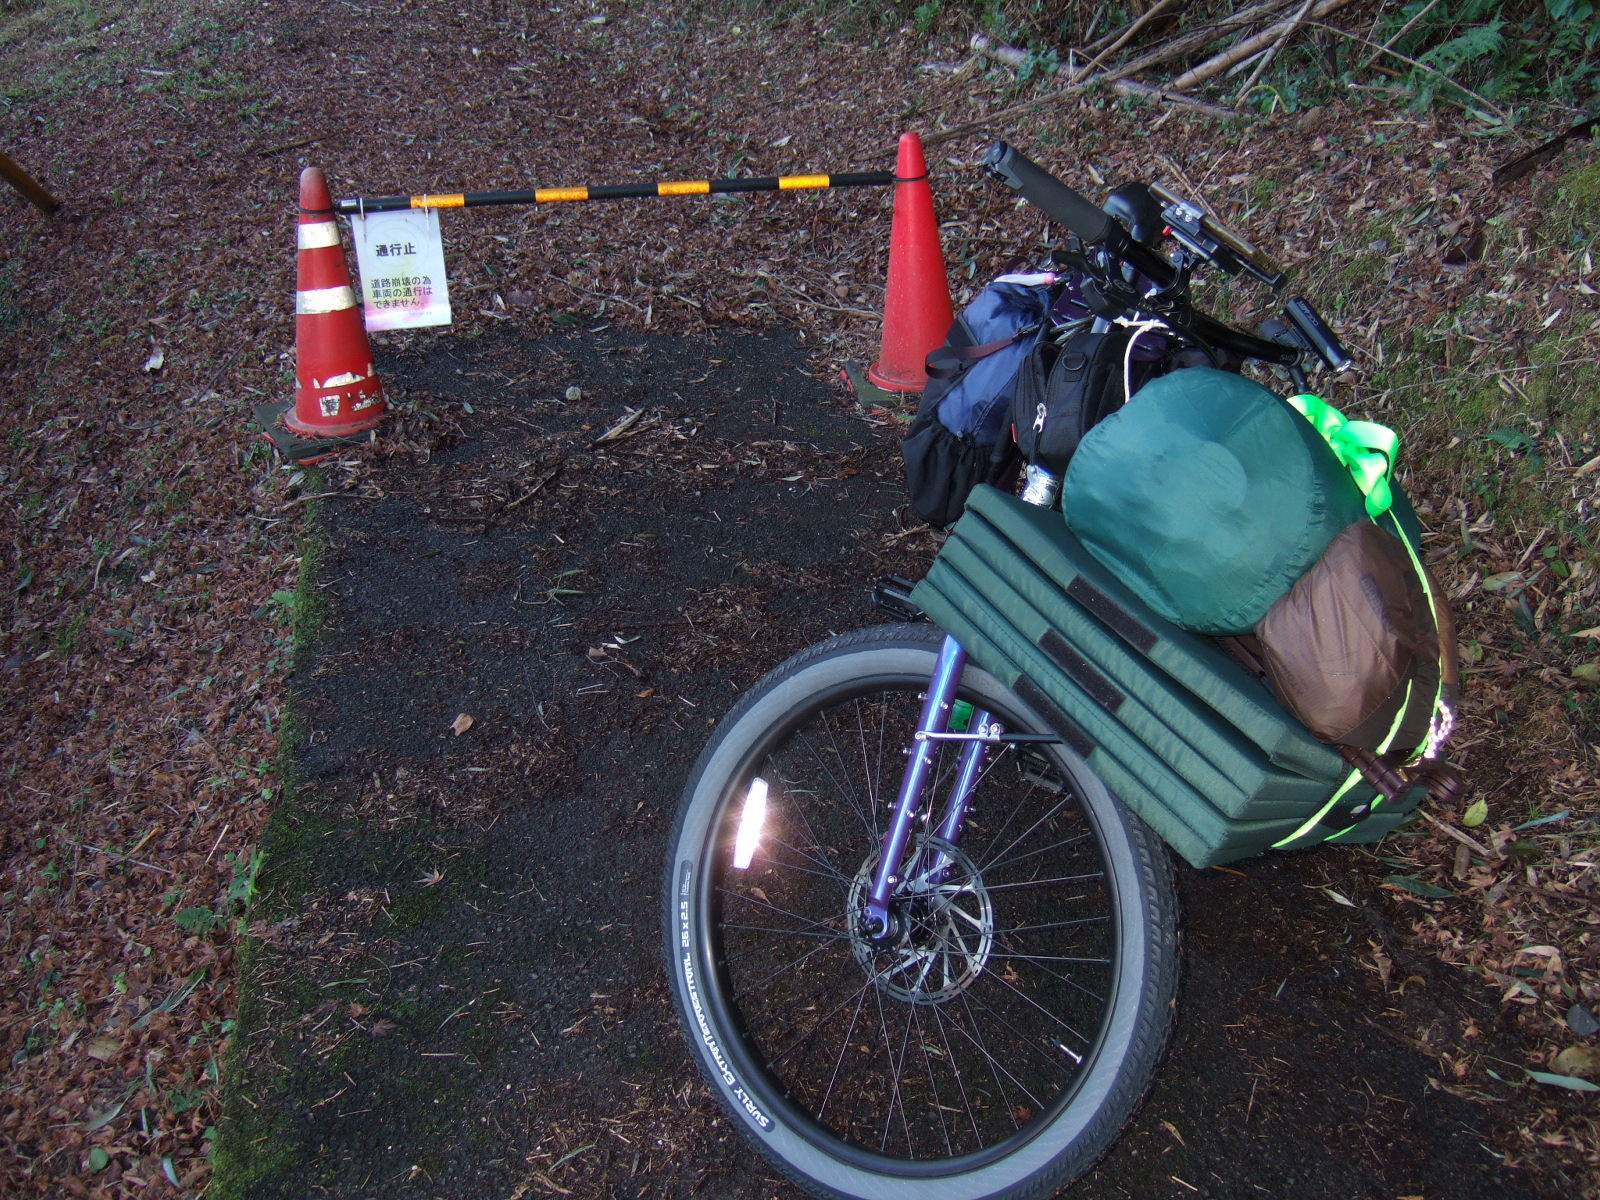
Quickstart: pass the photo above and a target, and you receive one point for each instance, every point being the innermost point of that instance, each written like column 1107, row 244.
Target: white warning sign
column 401, row 256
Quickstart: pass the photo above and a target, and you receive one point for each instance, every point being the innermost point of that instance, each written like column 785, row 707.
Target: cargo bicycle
column 919, row 915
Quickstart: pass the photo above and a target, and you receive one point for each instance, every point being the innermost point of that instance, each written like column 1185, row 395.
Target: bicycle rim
column 975, row 1044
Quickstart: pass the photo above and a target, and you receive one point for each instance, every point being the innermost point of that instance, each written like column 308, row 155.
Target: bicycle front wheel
column 996, row 1044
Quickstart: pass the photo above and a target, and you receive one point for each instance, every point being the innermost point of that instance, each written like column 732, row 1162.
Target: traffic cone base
column 917, row 312
column 273, row 423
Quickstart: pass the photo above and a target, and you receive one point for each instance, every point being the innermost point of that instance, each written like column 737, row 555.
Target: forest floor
column 230, row 680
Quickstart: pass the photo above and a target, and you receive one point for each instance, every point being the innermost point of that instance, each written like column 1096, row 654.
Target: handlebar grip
column 1058, row 202
column 1310, row 325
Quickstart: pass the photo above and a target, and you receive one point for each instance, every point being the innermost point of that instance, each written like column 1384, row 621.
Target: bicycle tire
column 940, row 1068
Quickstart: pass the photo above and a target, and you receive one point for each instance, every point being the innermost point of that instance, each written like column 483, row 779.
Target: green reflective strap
column 960, row 716
column 1368, row 450
column 1394, row 730
column 1433, row 604
column 1350, row 781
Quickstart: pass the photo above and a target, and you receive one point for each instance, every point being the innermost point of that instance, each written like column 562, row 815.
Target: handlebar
column 1098, row 228
column 1072, row 210
column 1059, row 202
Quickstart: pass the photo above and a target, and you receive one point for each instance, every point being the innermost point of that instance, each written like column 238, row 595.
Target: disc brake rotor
column 944, row 926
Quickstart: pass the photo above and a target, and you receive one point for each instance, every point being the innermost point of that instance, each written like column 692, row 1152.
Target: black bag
column 959, row 437
column 1065, row 389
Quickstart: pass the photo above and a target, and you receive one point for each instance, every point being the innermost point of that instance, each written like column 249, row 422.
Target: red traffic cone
column 917, row 311
column 336, row 392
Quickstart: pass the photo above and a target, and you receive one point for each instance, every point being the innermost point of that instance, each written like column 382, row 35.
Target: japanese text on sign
column 403, row 282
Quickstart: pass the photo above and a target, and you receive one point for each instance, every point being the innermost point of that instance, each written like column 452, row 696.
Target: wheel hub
column 941, row 932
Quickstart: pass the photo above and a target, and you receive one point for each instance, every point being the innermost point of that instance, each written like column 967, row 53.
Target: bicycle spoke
column 1045, row 1013
column 1098, row 919
column 844, row 1047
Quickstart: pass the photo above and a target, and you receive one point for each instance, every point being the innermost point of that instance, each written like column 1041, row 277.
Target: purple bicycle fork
column 933, row 727
column 1041, row 487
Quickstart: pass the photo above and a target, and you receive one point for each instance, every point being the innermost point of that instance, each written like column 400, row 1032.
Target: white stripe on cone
column 318, row 235
column 314, row 302
column 348, row 379
column 345, row 380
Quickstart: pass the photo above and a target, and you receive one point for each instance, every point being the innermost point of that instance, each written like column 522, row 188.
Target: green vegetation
column 1480, row 54
column 1467, row 49
column 1515, row 427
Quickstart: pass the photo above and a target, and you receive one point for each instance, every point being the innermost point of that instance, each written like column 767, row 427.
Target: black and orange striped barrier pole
column 617, row 191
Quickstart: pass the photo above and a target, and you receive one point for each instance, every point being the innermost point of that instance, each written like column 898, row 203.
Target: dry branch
column 1242, row 50
column 987, row 46
column 1119, row 41
column 1395, row 40
column 27, row 185
column 1012, row 56
column 1198, row 39
column 1121, row 34
column 1272, row 52
column 1165, row 95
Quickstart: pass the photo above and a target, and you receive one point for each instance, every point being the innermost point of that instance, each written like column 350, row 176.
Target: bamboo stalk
column 1272, row 52
column 1197, row 39
column 1240, row 51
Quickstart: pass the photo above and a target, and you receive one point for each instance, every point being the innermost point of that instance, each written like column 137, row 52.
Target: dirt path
column 461, row 992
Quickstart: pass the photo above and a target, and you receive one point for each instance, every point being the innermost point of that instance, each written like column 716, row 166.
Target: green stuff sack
column 1209, row 497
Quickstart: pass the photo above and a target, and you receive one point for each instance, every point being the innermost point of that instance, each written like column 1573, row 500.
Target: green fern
column 1542, row 49
column 1480, row 42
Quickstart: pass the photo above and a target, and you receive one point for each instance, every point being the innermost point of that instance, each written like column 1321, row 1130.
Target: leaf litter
column 146, row 528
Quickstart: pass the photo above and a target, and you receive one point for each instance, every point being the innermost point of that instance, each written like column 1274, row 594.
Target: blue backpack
column 959, row 437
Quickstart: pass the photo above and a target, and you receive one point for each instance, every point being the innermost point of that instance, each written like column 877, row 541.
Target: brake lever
column 1314, row 331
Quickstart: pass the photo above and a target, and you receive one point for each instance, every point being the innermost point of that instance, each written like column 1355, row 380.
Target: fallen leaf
column 432, row 877
column 1567, row 1081
column 101, row 1120
column 1583, row 1061
column 1582, row 1022
column 103, row 1048
column 461, row 724
column 158, row 356
column 1418, row 887
column 1499, row 582
column 1477, row 813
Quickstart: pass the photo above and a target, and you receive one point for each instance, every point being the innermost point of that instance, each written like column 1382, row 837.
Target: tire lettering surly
column 707, row 1037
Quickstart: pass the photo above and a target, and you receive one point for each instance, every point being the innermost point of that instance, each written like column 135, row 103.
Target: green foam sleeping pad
column 1185, row 736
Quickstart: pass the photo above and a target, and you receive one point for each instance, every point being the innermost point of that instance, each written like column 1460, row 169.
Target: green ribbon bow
column 1366, row 448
